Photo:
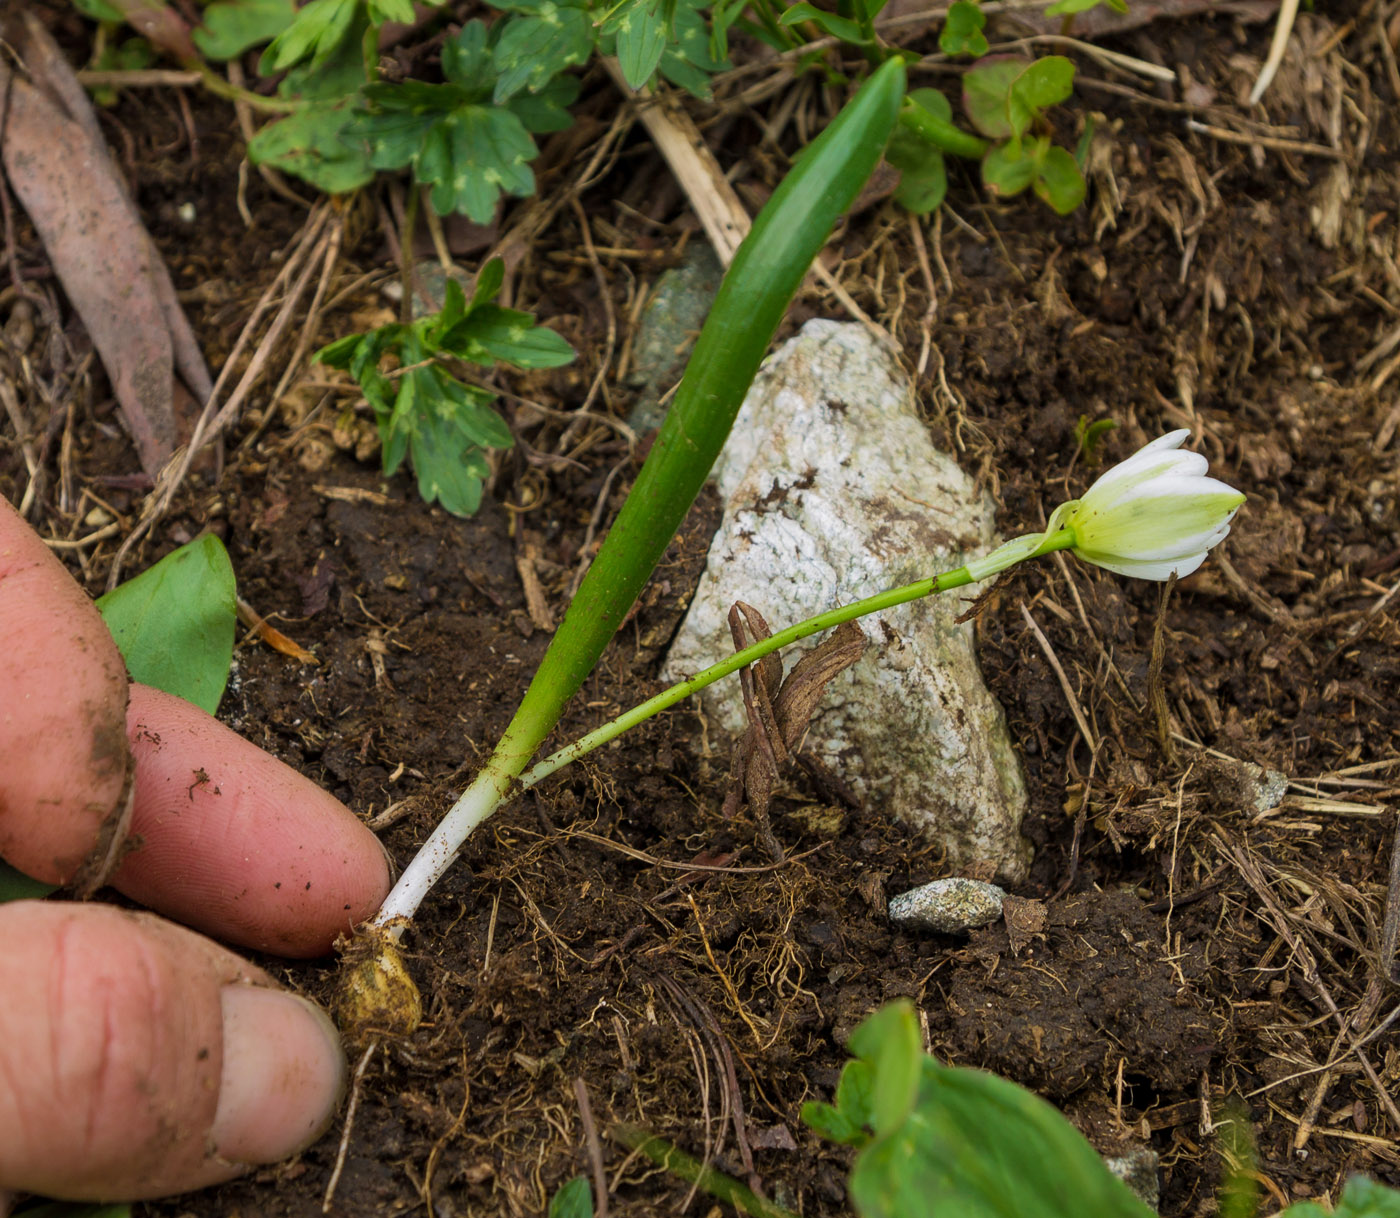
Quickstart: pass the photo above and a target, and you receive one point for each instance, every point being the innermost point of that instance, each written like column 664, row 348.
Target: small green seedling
column 443, row 425
column 573, row 1200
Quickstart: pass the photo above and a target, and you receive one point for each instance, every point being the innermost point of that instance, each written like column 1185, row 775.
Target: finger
column 237, row 844
column 63, row 752
column 138, row 1059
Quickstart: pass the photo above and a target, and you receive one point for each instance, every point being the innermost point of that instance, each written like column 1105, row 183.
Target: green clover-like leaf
column 962, row 30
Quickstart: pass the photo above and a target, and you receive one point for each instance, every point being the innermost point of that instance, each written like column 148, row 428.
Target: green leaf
column 1043, row 84
column 574, row 1200
column 978, row 1146
column 1067, row 8
column 231, row 28
column 888, row 1041
column 16, row 886
column 688, row 61
column 544, row 38
column 174, row 622
column 986, row 90
column 1008, row 169
column 547, row 110
column 923, row 174
column 334, row 76
column 829, row 23
column 922, row 190
column 467, row 150
column 320, row 144
column 1361, row 1198
column 319, row 28
column 642, row 32
column 962, row 31
column 1058, row 181
column 493, row 333
column 401, row 11
column 99, row 10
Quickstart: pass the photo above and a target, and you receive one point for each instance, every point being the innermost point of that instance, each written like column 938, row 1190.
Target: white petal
column 1145, row 465
column 1142, row 569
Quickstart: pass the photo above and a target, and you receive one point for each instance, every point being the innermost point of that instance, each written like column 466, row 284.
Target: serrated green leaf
column 687, row 61
column 174, row 622
column 16, row 886
column 320, row 144
column 542, row 39
column 231, row 28
column 1058, row 181
column 493, row 333
column 829, row 23
column 318, row 29
column 547, row 110
column 334, row 76
column 574, row 1200
column 962, row 30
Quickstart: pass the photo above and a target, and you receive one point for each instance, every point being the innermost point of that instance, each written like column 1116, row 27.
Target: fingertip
column 237, row 844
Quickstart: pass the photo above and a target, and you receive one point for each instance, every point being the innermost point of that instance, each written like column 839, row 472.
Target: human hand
column 137, row 1058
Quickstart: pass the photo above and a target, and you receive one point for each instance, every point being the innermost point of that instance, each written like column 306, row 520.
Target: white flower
column 1154, row 515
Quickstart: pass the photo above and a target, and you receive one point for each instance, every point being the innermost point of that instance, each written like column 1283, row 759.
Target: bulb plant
column 1155, row 515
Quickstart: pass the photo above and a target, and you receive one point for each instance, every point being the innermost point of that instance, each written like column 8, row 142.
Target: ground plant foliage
column 1178, row 956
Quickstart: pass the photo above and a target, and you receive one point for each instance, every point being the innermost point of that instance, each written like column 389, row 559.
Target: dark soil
column 1179, row 955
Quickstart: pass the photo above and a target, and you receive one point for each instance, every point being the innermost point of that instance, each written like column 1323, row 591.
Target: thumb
column 138, row 1059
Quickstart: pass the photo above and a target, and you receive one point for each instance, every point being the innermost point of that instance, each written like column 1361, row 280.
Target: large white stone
column 833, row 491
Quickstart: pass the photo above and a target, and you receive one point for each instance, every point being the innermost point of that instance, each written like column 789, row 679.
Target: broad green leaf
column 337, row 74
column 1009, row 168
column 829, row 23
column 16, row 886
column 1058, row 181
column 320, row 144
column 978, row 1146
column 574, row 1200
column 1362, row 1197
column 962, row 30
column 317, row 31
column 889, row 1042
column 923, row 174
column 174, row 622
column 542, row 39
column 986, row 90
column 1043, row 84
column 922, row 190
column 233, row 27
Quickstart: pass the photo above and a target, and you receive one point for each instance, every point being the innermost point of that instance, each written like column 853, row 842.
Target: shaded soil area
column 1181, row 953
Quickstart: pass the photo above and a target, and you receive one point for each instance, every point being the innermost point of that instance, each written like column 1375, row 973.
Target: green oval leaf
column 174, row 622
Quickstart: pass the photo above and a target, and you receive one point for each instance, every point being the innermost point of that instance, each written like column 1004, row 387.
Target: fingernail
column 283, row 1076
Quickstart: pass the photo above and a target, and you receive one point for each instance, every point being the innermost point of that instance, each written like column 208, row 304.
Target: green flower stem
column 741, row 659
column 768, row 268
column 672, row 1158
column 1013, row 552
column 942, row 134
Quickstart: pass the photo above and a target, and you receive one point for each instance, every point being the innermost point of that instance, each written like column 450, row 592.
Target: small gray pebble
column 952, row 906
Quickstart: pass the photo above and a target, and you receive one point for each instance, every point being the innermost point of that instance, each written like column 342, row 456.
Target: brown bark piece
column 109, row 267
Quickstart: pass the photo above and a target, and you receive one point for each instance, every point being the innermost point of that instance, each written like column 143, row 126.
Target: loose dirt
column 1179, row 956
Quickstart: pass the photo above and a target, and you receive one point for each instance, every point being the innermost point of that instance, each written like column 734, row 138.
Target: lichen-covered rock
column 833, row 491
column 951, row 906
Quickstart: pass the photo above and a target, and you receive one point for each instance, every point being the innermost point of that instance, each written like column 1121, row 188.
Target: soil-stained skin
column 64, row 788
